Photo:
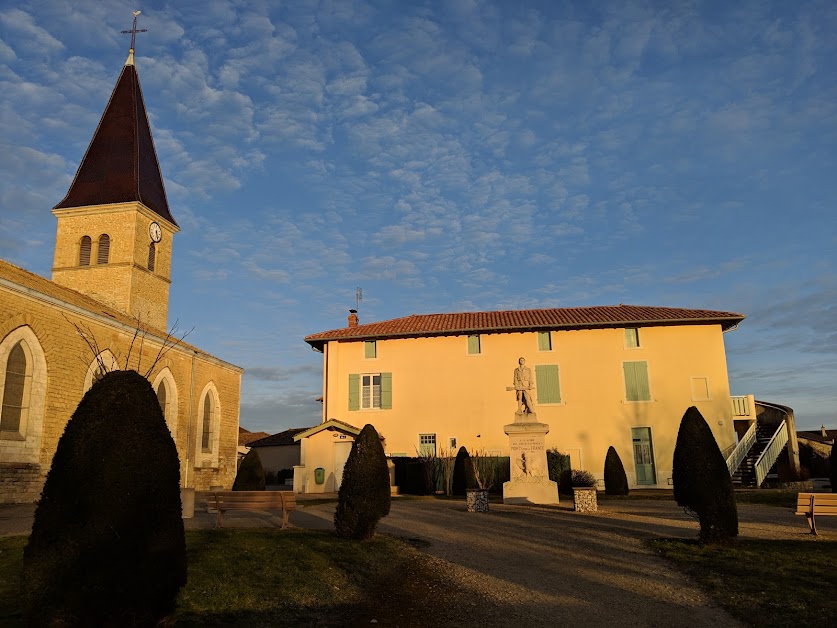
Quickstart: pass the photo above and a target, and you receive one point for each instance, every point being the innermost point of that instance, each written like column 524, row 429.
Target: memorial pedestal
column 530, row 483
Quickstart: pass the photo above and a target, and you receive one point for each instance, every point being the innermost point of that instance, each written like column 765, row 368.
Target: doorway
column 643, row 455
column 341, row 455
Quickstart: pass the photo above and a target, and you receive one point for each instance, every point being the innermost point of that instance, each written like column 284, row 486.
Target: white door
column 341, row 454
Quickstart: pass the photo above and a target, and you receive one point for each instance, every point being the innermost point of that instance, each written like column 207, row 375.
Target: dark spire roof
column 120, row 164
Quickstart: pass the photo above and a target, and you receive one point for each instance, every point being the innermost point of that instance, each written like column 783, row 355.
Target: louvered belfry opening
column 103, row 250
column 84, row 251
column 152, row 254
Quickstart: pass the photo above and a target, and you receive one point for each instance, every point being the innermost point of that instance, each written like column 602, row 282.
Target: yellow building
column 106, row 308
column 617, row 375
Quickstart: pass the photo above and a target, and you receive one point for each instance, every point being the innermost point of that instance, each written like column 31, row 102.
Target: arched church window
column 84, row 248
column 161, row 396
column 152, row 254
column 103, row 250
column 208, row 415
column 15, row 389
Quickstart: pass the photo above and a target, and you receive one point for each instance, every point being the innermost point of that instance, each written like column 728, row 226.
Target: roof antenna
column 358, row 298
column 134, row 30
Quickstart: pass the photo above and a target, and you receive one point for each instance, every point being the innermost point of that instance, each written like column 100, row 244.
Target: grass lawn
column 764, row 583
column 262, row 576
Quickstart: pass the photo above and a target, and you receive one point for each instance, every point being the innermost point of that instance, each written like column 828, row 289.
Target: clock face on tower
column 155, row 232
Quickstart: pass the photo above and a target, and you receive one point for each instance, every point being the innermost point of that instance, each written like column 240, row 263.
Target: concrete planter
column 187, row 502
column 477, row 499
column 584, row 499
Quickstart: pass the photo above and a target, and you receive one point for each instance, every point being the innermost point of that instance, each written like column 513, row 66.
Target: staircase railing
column 768, row 457
column 742, row 449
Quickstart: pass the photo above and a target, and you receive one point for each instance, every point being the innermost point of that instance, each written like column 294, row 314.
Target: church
column 106, row 308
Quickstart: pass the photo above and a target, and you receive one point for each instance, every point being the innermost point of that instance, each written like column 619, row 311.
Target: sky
column 454, row 156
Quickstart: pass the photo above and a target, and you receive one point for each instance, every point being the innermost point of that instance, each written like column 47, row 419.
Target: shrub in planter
column 615, row 479
column 250, row 476
column 702, row 483
column 364, row 495
column 582, row 479
column 463, row 472
column 107, row 544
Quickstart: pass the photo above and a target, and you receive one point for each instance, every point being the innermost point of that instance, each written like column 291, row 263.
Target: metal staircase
column 756, row 453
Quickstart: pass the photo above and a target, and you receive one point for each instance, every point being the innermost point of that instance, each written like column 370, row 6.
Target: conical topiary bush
column 463, row 473
column 250, row 476
column 365, row 494
column 702, row 481
column 615, row 478
column 107, row 545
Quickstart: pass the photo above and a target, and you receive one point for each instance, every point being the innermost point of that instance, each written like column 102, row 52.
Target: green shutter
column 631, row 338
column 354, row 391
column 473, row 344
column 548, row 386
column 544, row 341
column 370, row 349
column 636, row 381
column 386, row 391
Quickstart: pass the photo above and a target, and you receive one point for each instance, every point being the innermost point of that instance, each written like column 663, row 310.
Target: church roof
column 419, row 325
column 21, row 280
column 120, row 164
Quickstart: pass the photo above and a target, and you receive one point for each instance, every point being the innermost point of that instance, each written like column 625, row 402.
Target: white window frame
column 106, row 359
column 435, row 443
column 692, row 381
column 170, row 411
column 367, row 391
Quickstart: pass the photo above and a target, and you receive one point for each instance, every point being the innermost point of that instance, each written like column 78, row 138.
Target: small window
column 453, row 444
column 103, row 250
column 700, row 389
column 152, row 255
column 473, row 344
column 370, row 349
column 544, row 341
column 636, row 381
column 631, row 338
column 427, row 444
column 84, row 249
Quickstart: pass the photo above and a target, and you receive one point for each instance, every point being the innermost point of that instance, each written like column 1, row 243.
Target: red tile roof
column 282, row 438
column 120, row 164
column 419, row 325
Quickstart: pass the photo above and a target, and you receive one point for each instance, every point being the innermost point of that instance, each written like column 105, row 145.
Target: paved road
column 543, row 566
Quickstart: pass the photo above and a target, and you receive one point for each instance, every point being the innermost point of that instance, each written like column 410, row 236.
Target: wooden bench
column 814, row 505
column 251, row 500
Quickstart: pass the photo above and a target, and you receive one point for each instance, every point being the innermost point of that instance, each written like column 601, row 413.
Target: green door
column 643, row 455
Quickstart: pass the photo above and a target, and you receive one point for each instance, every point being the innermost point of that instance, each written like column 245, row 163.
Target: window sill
column 628, row 401
column 9, row 435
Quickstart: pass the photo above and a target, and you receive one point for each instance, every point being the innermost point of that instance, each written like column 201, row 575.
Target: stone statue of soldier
column 523, row 386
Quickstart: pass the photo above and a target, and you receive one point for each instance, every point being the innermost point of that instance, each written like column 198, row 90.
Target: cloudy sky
column 453, row 156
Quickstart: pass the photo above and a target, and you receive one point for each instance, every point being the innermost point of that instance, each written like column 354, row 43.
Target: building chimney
column 353, row 318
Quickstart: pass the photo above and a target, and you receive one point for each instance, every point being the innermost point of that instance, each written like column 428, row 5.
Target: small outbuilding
column 323, row 452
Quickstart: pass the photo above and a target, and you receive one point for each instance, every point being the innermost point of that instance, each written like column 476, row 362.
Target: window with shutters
column 370, row 391
column 631, row 338
column 84, row 249
column 370, row 349
column 547, row 384
column 103, row 249
column 474, row 344
column 544, row 341
column 636, row 381
column 152, row 255
column 427, row 444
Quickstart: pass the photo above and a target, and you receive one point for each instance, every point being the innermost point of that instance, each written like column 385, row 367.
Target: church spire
column 120, row 165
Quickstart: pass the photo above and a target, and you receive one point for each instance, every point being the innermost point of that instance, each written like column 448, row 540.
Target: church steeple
column 120, row 164
column 115, row 231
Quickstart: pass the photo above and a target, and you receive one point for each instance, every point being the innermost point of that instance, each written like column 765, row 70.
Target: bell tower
column 115, row 231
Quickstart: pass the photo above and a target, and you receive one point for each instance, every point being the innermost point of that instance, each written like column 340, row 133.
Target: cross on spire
column 134, row 30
